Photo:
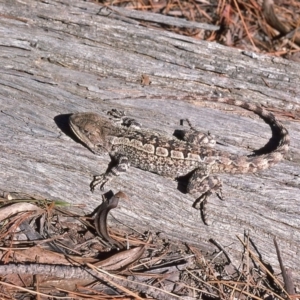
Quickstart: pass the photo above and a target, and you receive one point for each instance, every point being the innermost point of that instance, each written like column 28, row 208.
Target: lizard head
column 92, row 130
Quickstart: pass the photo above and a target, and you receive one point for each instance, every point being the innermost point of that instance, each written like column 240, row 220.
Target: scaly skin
column 151, row 151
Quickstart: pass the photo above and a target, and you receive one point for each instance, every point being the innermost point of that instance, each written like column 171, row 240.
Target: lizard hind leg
column 196, row 137
column 202, row 185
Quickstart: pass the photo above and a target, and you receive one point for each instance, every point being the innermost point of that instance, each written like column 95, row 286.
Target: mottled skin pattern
column 151, row 151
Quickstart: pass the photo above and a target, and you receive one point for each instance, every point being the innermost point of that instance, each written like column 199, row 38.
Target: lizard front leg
column 120, row 118
column 202, row 185
column 121, row 167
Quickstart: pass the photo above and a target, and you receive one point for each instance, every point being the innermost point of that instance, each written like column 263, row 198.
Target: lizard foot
column 200, row 204
column 196, row 137
column 202, row 186
column 99, row 179
column 116, row 113
column 120, row 118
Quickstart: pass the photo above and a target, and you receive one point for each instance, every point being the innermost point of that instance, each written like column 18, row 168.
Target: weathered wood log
column 59, row 57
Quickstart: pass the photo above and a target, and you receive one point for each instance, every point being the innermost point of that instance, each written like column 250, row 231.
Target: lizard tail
column 262, row 160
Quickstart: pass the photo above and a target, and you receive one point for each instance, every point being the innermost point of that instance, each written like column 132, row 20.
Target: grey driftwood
column 61, row 57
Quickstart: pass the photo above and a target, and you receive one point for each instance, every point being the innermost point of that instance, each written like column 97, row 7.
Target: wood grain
column 59, row 57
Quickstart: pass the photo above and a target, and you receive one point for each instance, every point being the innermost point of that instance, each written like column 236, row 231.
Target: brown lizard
column 128, row 144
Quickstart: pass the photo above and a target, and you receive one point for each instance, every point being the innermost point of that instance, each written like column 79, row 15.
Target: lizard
column 193, row 155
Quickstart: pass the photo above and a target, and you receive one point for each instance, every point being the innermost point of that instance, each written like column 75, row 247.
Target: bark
column 61, row 57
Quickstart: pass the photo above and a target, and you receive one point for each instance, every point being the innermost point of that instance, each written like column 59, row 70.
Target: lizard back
column 158, row 153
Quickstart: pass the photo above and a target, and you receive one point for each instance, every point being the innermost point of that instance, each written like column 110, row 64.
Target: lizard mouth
column 82, row 137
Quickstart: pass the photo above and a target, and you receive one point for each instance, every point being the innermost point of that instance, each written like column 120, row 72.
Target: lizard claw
column 98, row 179
column 200, row 204
column 220, row 195
column 116, row 113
